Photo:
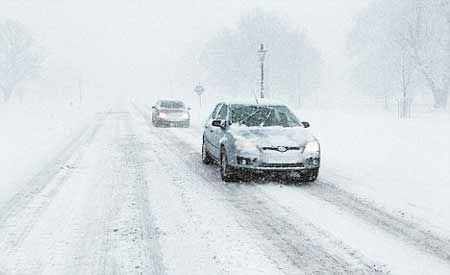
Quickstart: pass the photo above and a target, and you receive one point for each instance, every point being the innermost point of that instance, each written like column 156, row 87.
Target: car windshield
column 264, row 116
column 172, row 104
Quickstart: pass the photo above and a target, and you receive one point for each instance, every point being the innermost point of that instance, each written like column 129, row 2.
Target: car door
column 217, row 132
column 208, row 131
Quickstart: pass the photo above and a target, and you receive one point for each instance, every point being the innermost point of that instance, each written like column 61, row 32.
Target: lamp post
column 262, row 55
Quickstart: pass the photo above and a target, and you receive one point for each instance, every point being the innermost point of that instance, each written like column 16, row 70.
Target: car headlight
column 162, row 115
column 246, row 146
column 312, row 147
column 185, row 116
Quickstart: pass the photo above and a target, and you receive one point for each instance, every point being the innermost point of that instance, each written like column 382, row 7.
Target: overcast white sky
column 138, row 39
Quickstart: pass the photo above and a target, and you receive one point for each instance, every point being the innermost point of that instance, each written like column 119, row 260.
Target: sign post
column 199, row 90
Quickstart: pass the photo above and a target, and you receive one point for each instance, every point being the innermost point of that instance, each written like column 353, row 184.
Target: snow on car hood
column 272, row 136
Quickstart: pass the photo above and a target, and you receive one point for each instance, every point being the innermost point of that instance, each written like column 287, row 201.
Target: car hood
column 273, row 136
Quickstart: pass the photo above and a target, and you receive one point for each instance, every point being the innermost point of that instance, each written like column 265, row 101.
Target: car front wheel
column 227, row 172
column 311, row 175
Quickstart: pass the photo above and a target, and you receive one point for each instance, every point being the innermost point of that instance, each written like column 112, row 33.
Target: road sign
column 199, row 89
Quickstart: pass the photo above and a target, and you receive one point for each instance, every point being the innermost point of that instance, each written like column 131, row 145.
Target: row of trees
column 230, row 63
column 20, row 58
column 400, row 46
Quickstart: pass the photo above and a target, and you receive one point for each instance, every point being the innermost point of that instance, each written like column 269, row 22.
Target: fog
column 133, row 47
column 347, row 173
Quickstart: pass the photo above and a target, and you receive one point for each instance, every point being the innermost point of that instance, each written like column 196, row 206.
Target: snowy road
column 126, row 198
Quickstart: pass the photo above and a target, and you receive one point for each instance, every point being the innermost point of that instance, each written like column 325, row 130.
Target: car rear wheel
column 206, row 158
column 227, row 172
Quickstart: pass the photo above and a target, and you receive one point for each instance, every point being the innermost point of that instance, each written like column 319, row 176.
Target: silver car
column 170, row 113
column 259, row 137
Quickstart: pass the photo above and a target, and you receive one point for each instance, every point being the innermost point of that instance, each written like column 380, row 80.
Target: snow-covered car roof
column 252, row 101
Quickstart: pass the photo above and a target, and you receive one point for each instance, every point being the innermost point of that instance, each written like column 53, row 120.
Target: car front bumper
column 173, row 122
column 271, row 160
column 249, row 164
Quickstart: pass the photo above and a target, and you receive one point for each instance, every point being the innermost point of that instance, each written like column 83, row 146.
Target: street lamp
column 262, row 55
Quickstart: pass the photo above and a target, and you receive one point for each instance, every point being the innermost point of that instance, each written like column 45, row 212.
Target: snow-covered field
column 31, row 135
column 110, row 194
column 401, row 164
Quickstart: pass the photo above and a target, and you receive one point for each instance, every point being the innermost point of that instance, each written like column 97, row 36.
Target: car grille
column 282, row 165
column 277, row 148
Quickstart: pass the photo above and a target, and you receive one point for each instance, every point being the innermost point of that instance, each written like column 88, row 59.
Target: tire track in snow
column 403, row 229
column 120, row 237
column 186, row 201
column 138, row 220
column 94, row 253
column 99, row 230
column 296, row 243
column 23, row 210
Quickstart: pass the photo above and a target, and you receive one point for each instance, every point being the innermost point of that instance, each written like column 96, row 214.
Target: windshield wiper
column 249, row 116
column 267, row 117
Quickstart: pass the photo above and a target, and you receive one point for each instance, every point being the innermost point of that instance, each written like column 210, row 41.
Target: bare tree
column 403, row 37
column 20, row 59
column 429, row 40
column 230, row 61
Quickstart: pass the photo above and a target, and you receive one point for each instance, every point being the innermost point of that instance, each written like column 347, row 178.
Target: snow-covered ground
column 111, row 194
column 32, row 134
column 401, row 164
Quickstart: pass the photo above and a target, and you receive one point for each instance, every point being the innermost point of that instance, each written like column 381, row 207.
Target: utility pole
column 262, row 54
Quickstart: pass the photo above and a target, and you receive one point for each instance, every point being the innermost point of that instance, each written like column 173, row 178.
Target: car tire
column 206, row 157
column 311, row 175
column 227, row 173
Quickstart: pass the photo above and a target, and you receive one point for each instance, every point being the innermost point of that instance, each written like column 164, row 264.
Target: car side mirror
column 216, row 123
column 219, row 123
column 154, row 107
column 306, row 124
column 188, row 108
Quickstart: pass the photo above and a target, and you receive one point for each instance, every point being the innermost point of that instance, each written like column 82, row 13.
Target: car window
column 216, row 110
column 264, row 116
column 223, row 112
column 172, row 104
